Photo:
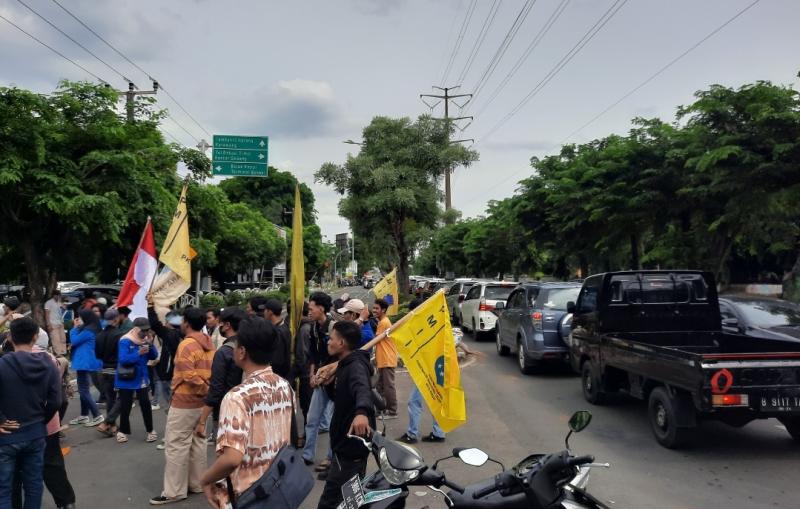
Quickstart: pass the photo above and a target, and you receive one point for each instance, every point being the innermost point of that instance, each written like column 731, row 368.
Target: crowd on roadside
column 227, row 377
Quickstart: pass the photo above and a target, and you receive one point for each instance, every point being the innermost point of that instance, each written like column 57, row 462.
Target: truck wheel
column 591, row 385
column 662, row 410
column 792, row 426
column 502, row 350
column 526, row 367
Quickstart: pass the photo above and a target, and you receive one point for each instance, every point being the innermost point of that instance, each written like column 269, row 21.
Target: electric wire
column 113, row 69
column 487, row 24
column 559, row 10
column 76, row 64
column 459, row 40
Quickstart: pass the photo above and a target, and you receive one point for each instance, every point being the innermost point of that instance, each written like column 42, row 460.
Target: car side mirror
column 571, row 307
column 730, row 322
column 500, row 306
column 472, row 456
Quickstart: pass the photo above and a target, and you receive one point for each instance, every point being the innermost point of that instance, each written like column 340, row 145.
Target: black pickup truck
column 657, row 336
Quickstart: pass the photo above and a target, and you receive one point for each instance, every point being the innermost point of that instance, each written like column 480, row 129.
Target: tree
column 77, row 179
column 272, row 195
column 390, row 188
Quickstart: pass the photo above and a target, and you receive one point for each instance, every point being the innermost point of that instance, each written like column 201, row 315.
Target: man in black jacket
column 106, row 350
column 225, row 374
column 353, row 414
column 280, row 360
column 171, row 336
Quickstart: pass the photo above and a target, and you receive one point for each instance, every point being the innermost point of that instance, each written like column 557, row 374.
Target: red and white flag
column 141, row 273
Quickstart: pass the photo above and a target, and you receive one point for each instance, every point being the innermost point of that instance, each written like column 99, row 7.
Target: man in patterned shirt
column 255, row 417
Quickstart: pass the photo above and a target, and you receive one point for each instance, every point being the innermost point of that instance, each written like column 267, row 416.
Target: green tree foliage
column 272, row 196
column 390, row 188
column 717, row 189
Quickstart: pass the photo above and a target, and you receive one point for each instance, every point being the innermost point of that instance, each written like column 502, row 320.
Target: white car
column 477, row 310
column 455, row 296
column 68, row 286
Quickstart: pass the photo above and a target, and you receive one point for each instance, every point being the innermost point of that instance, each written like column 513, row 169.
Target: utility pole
column 130, row 98
column 447, row 97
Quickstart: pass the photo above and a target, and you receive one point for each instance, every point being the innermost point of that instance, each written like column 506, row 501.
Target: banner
column 175, row 253
column 298, row 279
column 388, row 290
column 425, row 342
column 141, row 273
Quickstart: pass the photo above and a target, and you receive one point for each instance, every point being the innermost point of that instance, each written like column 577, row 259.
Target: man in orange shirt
column 386, row 358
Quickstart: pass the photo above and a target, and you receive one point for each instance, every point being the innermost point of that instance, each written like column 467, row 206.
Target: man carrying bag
column 256, row 467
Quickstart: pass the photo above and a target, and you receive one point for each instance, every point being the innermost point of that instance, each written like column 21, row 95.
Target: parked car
column 477, row 309
column 760, row 317
column 79, row 294
column 68, row 286
column 657, row 336
column 455, row 296
column 532, row 323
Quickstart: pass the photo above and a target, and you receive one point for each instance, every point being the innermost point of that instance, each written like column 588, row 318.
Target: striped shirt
column 190, row 380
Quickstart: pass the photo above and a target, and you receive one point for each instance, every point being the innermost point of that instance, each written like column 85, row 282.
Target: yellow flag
column 425, row 342
column 298, row 281
column 176, row 253
column 387, row 289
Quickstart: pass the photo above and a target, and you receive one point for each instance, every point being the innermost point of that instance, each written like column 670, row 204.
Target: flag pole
column 383, row 335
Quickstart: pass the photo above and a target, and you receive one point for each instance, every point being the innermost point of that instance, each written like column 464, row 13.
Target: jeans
column 316, row 415
column 27, row 458
column 415, row 402
column 341, row 471
column 55, row 476
column 126, row 403
column 162, row 387
column 87, row 401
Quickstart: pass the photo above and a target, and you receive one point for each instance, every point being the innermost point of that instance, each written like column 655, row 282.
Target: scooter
column 540, row 481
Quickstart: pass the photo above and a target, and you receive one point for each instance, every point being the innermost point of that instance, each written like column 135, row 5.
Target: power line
column 76, row 64
column 504, row 45
column 75, row 41
column 447, row 42
column 661, row 70
column 487, row 24
column 527, row 53
column 134, row 64
column 582, row 42
column 459, row 39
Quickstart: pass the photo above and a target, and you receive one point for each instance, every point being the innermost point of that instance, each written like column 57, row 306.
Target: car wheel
column 502, row 350
column 526, row 366
column 663, row 415
column 792, row 425
column 591, row 385
column 475, row 332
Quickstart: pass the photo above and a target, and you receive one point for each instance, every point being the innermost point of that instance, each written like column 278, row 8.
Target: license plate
column 780, row 402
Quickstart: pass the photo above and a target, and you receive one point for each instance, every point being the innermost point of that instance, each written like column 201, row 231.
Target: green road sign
column 242, row 156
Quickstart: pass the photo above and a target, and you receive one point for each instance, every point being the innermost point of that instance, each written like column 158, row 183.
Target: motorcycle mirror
column 472, row 456
column 580, row 420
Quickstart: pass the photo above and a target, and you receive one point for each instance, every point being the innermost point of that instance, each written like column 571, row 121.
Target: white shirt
column 55, row 312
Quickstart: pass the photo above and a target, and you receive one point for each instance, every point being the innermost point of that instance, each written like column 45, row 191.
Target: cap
column 345, row 297
column 142, row 323
column 102, row 300
column 111, row 314
column 174, row 319
column 352, row 305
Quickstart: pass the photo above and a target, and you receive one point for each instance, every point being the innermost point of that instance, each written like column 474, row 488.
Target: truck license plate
column 780, row 402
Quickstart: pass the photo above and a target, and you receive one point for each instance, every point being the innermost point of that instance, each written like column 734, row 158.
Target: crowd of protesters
column 226, row 378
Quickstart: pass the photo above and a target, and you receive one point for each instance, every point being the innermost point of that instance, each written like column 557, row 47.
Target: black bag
column 126, row 372
column 284, row 486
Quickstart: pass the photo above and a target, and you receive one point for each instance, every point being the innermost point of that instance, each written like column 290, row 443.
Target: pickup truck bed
column 686, row 374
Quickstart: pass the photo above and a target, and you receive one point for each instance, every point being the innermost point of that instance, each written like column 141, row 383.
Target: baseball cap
column 345, row 297
column 352, row 305
column 142, row 323
column 111, row 314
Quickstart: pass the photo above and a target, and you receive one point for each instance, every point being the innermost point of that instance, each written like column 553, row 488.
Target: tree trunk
column 791, row 281
column 40, row 280
column 399, row 238
column 584, row 264
column 636, row 262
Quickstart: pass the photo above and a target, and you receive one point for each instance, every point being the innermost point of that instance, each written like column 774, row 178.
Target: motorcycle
column 540, row 481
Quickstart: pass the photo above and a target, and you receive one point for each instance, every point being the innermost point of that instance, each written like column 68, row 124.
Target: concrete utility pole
column 447, row 97
column 130, row 98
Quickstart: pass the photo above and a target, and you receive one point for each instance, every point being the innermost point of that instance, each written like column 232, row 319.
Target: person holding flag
column 386, row 360
column 141, row 273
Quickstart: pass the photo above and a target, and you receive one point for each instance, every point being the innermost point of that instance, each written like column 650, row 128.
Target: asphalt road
column 511, row 416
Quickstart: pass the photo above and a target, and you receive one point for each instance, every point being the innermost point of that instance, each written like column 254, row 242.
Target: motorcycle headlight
column 391, row 474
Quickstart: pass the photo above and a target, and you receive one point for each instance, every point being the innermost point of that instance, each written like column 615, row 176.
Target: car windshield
column 498, row 292
column 557, row 298
column 766, row 315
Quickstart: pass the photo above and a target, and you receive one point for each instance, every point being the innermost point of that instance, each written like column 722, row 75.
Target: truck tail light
column 730, row 400
column 537, row 320
column 483, row 306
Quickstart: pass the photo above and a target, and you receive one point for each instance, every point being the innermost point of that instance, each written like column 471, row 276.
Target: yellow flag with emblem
column 297, row 284
column 425, row 343
column 387, row 290
column 176, row 253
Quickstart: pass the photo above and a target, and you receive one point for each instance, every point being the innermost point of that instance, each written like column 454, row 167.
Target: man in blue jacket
column 30, row 395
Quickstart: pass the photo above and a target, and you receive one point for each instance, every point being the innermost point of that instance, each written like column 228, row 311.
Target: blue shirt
column 367, row 334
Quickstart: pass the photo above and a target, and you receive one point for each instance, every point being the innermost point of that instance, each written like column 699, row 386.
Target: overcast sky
column 310, row 74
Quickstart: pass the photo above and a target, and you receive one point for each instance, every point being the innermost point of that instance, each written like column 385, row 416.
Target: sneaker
column 63, row 428
column 387, row 416
column 83, row 419
column 162, row 500
column 121, row 437
column 433, row 438
column 155, row 407
column 161, row 447
column 94, row 422
column 151, row 437
column 407, row 439
column 322, row 431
